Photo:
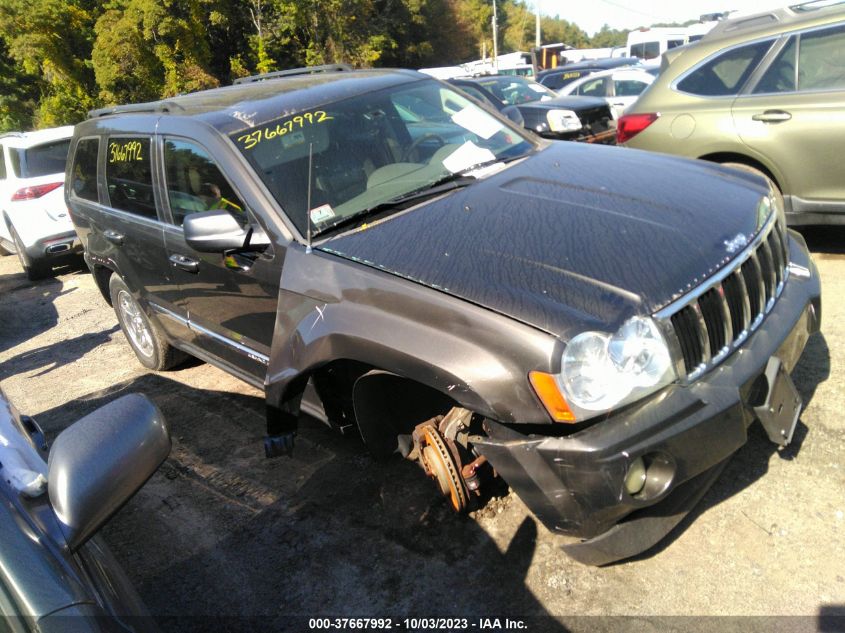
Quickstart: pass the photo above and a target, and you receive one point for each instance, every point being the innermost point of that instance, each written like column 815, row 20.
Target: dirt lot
column 221, row 531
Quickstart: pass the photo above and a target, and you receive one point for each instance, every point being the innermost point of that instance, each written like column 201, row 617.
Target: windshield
column 515, row 90
column 340, row 159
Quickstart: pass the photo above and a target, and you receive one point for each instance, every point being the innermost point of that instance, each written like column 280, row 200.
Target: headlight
column 563, row 121
column 776, row 202
column 600, row 371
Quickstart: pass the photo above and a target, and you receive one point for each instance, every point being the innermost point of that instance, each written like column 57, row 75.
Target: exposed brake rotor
column 440, row 464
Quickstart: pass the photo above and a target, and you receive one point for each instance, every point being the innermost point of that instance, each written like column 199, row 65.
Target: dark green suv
column 765, row 93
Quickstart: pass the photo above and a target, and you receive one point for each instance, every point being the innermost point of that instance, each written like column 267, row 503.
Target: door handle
column 114, row 237
column 185, row 263
column 772, row 116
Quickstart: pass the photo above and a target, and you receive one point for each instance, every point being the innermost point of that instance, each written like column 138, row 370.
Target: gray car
column 55, row 573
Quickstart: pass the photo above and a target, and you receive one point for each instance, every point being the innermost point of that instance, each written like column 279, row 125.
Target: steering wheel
column 419, row 141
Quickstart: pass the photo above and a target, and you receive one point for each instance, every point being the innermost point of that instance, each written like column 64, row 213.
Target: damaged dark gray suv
column 598, row 327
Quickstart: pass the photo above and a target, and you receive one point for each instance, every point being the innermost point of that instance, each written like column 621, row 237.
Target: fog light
column 635, row 479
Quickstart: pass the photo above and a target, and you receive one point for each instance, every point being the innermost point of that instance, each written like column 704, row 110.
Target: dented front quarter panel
column 331, row 308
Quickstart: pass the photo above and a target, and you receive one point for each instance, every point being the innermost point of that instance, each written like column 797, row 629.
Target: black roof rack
column 154, row 106
column 15, row 134
column 306, row 70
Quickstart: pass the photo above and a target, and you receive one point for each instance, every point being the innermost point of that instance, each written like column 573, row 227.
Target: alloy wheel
column 136, row 326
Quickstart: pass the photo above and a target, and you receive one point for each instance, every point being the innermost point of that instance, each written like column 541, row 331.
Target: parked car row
column 543, row 111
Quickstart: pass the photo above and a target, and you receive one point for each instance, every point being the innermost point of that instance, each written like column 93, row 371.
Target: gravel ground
column 222, row 532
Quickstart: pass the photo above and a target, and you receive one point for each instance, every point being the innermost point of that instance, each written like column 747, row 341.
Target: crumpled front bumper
column 575, row 484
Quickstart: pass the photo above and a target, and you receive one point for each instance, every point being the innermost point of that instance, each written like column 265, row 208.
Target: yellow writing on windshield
column 125, row 152
column 270, row 132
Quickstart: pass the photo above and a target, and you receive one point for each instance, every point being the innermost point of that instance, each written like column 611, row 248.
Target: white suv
column 34, row 221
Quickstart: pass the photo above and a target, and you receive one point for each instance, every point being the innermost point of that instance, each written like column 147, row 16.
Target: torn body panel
column 477, row 357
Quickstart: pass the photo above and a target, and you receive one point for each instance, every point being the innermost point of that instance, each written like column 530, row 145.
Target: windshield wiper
column 399, row 203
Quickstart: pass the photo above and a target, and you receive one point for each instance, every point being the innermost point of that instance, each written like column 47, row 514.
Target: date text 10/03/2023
column 417, row 624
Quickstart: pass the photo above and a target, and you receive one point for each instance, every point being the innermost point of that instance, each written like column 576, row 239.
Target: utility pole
column 495, row 40
column 537, row 41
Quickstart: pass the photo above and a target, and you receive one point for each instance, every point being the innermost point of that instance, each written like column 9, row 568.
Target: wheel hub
column 440, row 464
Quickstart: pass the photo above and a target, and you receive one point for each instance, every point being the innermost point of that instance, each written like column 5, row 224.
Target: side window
column 2, row 163
column 195, row 183
column 555, row 82
column 85, row 169
column 780, row 76
column 594, row 88
column 674, row 43
column 628, row 87
column 129, row 175
column 726, row 73
column 821, row 60
column 652, row 50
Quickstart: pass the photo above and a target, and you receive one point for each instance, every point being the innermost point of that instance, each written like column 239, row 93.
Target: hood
column 567, row 102
column 573, row 237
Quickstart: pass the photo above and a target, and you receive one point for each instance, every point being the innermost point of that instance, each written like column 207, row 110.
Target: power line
column 619, row 6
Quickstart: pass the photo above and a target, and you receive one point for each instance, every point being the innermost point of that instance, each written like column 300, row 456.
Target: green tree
column 476, row 18
column 19, row 93
column 52, row 39
column 146, row 49
column 126, row 68
column 608, row 38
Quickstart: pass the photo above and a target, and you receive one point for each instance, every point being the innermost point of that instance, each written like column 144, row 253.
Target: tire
column 144, row 336
column 33, row 270
column 5, row 250
column 755, row 171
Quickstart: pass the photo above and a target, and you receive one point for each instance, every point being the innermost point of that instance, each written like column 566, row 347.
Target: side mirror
column 513, row 113
column 101, row 460
column 213, row 232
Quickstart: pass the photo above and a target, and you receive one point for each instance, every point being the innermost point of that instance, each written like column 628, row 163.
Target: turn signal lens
column 545, row 386
column 36, row 191
column 629, row 125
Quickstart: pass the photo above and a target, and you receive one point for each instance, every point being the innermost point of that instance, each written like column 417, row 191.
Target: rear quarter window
column 129, row 177
column 726, row 73
column 84, row 171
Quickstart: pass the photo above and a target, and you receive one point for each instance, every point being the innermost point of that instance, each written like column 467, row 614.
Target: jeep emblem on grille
column 733, row 245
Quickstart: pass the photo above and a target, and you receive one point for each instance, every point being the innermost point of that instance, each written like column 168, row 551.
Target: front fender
column 331, row 309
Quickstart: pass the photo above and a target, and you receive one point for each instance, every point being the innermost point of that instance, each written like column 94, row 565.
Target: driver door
column 230, row 297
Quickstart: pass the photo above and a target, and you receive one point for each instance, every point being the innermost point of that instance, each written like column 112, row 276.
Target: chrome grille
column 711, row 320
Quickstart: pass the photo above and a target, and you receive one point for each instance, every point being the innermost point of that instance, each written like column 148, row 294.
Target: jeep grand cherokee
column 377, row 250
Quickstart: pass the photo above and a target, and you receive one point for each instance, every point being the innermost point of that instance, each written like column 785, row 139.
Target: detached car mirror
column 100, row 461
column 214, row 232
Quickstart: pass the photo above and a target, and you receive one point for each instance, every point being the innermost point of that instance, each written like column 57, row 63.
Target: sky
column 590, row 15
